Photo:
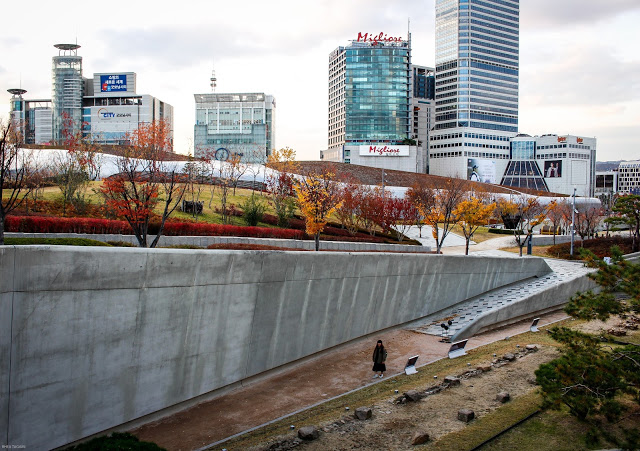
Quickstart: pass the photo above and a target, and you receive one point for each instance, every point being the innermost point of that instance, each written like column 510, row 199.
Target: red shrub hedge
column 52, row 224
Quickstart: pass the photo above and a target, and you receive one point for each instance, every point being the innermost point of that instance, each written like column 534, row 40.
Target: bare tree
column 15, row 170
column 195, row 172
column 525, row 212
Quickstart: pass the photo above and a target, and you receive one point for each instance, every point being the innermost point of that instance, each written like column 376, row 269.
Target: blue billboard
column 113, row 82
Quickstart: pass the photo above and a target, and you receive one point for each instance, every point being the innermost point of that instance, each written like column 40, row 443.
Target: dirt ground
column 332, row 373
column 393, row 425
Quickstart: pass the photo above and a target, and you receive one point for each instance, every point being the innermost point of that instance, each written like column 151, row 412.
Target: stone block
column 363, row 413
column 509, row 356
column 503, row 397
column 533, row 348
column 413, row 395
column 452, row 381
column 484, row 368
column 420, row 438
column 466, row 415
column 308, row 433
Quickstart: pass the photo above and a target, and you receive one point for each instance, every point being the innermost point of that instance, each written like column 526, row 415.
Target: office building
column 422, row 110
column 241, row 124
column 112, row 109
column 370, row 102
column 476, row 83
column 106, row 108
column 629, row 177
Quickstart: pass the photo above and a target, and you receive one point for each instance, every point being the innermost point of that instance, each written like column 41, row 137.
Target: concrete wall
column 95, row 337
column 550, row 299
column 204, row 241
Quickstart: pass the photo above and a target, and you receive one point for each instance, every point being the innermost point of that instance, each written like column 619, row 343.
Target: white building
column 112, row 109
column 629, row 177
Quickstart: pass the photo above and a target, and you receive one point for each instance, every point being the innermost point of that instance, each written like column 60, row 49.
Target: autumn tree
column 15, row 171
column 555, row 215
column 318, row 197
column 422, row 197
column 280, row 183
column 401, row 215
column 372, row 208
column 350, row 211
column 525, row 213
column 440, row 214
column 75, row 169
column 471, row 214
column 145, row 181
column 195, row 177
column 588, row 218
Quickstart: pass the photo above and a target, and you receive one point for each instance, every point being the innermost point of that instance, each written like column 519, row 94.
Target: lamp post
column 573, row 219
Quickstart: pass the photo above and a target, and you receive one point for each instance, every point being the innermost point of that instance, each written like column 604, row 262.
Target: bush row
column 49, row 224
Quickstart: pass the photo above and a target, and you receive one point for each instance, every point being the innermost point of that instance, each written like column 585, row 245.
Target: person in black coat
column 379, row 357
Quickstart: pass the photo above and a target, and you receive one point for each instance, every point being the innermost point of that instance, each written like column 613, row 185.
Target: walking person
column 379, row 357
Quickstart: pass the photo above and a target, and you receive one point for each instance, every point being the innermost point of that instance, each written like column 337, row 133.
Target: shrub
column 503, row 231
column 117, row 441
column 253, row 211
column 53, row 241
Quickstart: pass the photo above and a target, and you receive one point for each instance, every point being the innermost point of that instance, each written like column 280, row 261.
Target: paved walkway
column 466, row 312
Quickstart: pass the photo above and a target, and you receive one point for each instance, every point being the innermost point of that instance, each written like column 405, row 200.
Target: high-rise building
column 67, row 90
column 240, row 124
column 422, row 110
column 476, row 83
column 369, row 103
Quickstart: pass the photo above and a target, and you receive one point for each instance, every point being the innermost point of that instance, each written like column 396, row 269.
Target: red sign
column 562, row 139
column 579, row 140
column 376, row 39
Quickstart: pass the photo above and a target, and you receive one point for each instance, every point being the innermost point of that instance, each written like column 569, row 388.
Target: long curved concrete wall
column 92, row 338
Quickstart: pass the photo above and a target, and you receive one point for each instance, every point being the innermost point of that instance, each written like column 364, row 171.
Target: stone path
column 466, row 312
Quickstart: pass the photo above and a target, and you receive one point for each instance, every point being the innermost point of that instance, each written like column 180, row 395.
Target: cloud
column 552, row 13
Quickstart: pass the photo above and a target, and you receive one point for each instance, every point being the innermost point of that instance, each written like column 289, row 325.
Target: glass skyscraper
column 477, row 47
column 369, row 93
column 477, row 73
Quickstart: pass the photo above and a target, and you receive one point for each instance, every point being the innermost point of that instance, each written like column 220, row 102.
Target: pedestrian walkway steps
column 467, row 311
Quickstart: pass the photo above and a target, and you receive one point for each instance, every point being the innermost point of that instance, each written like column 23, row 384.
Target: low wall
column 204, row 241
column 95, row 337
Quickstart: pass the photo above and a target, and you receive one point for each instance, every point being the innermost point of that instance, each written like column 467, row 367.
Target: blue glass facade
column 369, row 93
column 477, row 64
column 377, row 94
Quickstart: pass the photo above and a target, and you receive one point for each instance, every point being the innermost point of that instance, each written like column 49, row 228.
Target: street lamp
column 573, row 220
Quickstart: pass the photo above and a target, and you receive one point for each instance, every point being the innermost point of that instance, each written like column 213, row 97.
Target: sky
column 579, row 60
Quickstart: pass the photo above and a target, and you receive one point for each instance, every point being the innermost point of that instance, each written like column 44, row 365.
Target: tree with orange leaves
column 280, row 183
column 145, row 181
column 319, row 197
column 526, row 212
column 471, row 214
column 438, row 208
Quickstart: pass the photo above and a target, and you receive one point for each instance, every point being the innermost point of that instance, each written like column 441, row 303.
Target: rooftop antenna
column 214, row 80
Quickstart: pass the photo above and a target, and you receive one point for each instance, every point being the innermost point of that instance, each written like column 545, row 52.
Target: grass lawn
column 538, row 251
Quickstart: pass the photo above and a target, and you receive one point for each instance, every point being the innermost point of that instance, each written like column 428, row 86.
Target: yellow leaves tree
column 318, row 197
column 280, row 182
column 472, row 214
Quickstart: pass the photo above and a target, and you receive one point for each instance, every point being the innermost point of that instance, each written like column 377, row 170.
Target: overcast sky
column 580, row 64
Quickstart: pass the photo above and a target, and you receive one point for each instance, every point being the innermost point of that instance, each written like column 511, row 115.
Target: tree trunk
column 466, row 251
column 317, row 241
column 1, row 229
